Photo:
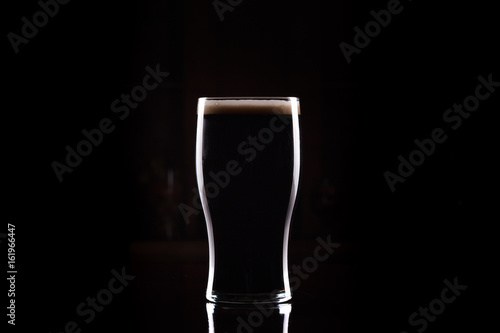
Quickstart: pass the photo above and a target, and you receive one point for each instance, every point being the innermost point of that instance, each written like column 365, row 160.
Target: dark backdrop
column 357, row 118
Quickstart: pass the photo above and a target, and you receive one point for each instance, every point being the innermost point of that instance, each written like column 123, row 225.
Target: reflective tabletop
column 169, row 292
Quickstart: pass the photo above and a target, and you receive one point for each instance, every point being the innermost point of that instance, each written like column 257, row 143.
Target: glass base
column 274, row 297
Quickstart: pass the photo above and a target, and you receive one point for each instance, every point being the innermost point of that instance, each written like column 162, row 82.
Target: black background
column 357, row 118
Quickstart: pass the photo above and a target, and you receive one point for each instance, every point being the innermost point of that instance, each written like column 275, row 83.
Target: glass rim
column 260, row 98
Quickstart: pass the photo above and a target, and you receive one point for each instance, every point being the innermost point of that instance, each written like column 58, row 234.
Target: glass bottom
column 279, row 296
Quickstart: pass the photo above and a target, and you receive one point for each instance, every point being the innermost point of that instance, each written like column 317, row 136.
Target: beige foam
column 248, row 105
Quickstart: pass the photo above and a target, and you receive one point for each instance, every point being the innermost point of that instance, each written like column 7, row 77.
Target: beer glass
column 247, row 168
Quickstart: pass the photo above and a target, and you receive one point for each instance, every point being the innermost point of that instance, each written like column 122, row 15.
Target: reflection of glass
column 247, row 167
column 246, row 319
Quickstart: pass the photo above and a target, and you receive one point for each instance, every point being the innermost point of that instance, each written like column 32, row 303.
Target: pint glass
column 247, row 168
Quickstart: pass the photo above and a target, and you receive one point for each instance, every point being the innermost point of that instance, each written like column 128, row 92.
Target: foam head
column 248, row 105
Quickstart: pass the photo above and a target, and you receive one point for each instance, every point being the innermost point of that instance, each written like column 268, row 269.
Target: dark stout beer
column 249, row 159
